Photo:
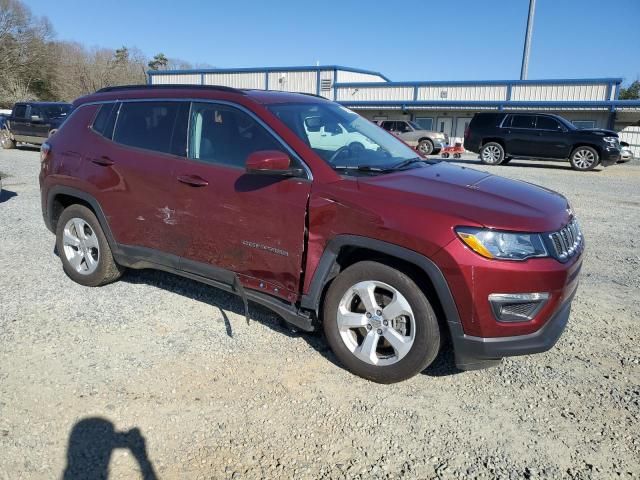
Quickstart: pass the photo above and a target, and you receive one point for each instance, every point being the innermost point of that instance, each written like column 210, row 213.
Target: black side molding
column 140, row 257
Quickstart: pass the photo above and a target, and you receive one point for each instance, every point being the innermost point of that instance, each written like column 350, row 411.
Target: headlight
column 611, row 140
column 502, row 245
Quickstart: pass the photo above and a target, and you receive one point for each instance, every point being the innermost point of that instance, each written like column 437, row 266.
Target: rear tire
column 84, row 249
column 6, row 141
column 379, row 323
column 584, row 158
column 492, row 153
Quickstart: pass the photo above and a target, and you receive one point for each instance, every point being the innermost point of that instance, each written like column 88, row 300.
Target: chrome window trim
column 202, row 100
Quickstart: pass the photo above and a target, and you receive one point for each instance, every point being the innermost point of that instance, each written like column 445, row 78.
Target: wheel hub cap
column 80, row 246
column 376, row 323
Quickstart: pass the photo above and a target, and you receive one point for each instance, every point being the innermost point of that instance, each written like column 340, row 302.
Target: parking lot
column 165, row 375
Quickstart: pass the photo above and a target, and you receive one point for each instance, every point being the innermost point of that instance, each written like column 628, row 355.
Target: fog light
column 517, row 307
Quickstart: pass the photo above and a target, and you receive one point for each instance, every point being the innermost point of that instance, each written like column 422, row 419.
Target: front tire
column 492, row 153
column 6, row 141
column 83, row 248
column 425, row 147
column 379, row 323
column 584, row 158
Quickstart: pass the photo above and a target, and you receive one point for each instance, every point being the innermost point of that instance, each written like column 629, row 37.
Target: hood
column 479, row 198
column 432, row 133
column 598, row 131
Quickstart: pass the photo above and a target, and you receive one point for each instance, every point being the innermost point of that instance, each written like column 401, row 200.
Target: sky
column 411, row 40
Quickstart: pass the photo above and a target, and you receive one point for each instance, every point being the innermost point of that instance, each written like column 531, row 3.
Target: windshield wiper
column 361, row 168
column 406, row 163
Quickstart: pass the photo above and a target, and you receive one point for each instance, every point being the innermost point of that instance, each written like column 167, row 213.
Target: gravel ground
column 162, row 377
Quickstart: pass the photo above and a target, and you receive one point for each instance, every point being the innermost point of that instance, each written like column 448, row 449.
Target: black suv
column 499, row 137
column 33, row 122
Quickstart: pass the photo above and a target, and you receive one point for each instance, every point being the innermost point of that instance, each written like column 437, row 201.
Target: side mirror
column 271, row 162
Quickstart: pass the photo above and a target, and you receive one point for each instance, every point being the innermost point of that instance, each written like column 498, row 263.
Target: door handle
column 103, row 161
column 193, row 180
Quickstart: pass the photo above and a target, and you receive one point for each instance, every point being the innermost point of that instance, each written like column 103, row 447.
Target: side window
column 426, row 123
column 547, row 123
column 20, row 111
column 522, row 121
column 403, row 127
column 35, row 111
column 105, row 120
column 226, row 135
column 387, row 125
column 158, row 126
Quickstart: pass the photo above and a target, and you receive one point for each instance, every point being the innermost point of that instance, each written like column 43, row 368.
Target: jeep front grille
column 567, row 241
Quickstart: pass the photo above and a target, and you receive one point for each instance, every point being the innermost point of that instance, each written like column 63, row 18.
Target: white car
column 332, row 137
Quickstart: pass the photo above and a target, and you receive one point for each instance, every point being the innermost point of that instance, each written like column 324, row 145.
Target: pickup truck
column 33, row 122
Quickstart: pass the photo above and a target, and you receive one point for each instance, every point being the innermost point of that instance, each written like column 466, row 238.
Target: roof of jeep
column 130, row 92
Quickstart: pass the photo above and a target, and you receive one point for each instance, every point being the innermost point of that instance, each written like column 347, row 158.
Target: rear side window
column 226, row 135
column 522, row 121
column 105, row 120
column 158, row 126
column 20, row 111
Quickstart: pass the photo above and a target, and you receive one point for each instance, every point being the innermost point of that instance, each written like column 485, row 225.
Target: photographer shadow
column 90, row 445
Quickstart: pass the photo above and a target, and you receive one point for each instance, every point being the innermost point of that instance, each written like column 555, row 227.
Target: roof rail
column 310, row 95
column 221, row 88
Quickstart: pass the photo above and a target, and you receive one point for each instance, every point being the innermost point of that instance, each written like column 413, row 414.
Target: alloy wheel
column 81, row 246
column 376, row 323
column 491, row 154
column 425, row 147
column 584, row 159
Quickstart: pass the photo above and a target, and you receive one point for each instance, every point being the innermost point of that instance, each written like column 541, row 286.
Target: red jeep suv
column 301, row 205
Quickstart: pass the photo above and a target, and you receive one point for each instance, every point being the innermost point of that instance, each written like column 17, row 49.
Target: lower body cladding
column 506, row 308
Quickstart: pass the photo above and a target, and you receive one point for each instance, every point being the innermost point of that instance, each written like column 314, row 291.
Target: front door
column 552, row 139
column 253, row 225
column 19, row 122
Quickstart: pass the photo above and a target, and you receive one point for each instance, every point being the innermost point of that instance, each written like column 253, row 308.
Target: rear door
column 133, row 169
column 520, row 135
column 253, row 225
column 39, row 126
column 553, row 141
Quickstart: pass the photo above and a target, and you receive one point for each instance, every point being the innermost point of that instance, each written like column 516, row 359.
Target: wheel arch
column 494, row 140
column 345, row 250
column 577, row 145
column 60, row 197
column 421, row 139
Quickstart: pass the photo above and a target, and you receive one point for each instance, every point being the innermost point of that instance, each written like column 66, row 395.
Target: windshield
column 342, row 138
column 416, row 126
column 55, row 111
column 566, row 123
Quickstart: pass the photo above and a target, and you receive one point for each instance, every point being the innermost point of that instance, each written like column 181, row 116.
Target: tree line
column 36, row 66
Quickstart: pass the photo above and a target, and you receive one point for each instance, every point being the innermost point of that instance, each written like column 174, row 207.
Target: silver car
column 426, row 142
column 626, row 154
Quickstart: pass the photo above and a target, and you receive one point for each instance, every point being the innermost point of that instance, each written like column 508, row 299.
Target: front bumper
column 473, row 353
column 610, row 156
